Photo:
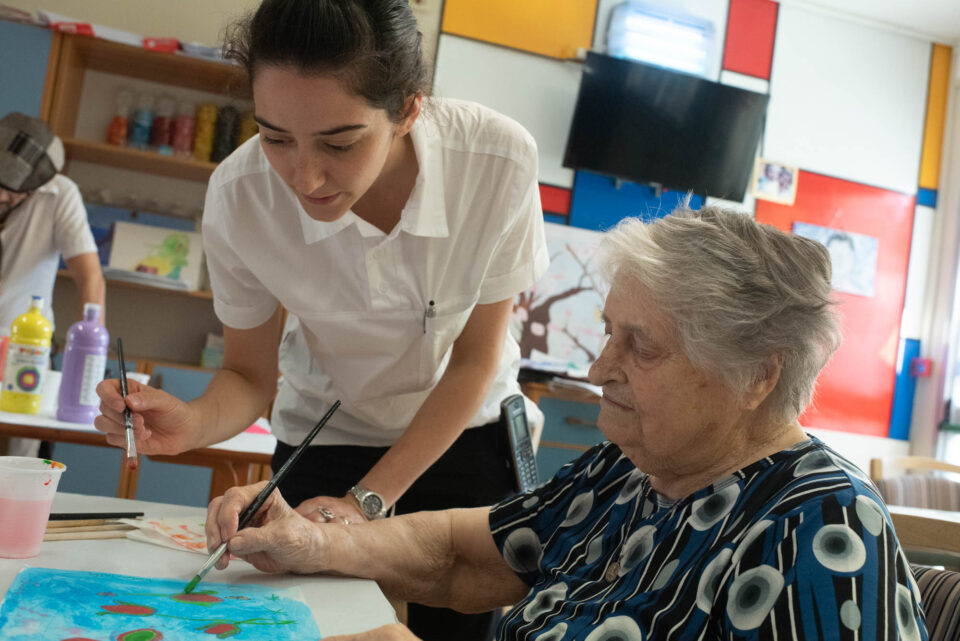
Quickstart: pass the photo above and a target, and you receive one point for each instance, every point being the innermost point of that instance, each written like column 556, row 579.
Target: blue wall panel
column 904, row 390
column 927, row 197
column 24, row 51
column 600, row 202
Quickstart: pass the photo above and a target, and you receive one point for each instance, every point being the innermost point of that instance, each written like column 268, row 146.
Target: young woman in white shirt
column 395, row 230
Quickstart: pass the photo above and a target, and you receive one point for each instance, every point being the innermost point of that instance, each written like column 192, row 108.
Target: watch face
column 372, row 504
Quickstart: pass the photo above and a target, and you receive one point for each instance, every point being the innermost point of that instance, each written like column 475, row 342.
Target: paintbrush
column 127, row 414
column 251, row 510
column 78, row 536
column 103, row 527
column 86, row 516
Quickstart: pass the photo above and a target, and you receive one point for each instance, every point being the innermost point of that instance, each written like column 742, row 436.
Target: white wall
column 847, row 100
column 189, row 20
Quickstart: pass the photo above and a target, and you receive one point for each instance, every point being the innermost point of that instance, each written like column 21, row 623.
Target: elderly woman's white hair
column 741, row 296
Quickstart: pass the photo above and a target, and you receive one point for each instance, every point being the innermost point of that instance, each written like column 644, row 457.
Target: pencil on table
column 81, row 522
column 105, row 527
column 73, row 536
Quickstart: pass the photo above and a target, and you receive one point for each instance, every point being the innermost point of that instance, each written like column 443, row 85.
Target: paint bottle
column 117, row 131
column 84, row 361
column 183, row 126
column 204, row 125
column 28, row 357
column 138, row 133
column 161, row 131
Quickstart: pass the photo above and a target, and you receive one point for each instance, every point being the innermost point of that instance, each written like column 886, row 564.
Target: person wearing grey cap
column 41, row 219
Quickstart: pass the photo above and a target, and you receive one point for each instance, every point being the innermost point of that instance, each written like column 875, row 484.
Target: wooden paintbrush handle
column 107, row 527
column 72, row 536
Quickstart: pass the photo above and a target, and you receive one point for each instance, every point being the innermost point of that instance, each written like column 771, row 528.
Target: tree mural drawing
column 559, row 320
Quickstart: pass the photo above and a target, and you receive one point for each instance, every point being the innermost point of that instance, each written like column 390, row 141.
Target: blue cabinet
column 186, row 384
column 172, row 482
column 569, row 430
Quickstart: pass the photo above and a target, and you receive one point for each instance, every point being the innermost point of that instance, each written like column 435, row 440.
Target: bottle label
column 93, row 367
column 25, row 369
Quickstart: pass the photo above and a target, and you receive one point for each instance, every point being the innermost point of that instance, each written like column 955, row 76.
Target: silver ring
column 325, row 512
column 346, row 521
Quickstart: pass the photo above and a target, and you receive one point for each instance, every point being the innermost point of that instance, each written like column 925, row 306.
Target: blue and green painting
column 66, row 605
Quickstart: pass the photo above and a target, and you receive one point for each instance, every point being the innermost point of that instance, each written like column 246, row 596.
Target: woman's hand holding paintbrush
column 162, row 423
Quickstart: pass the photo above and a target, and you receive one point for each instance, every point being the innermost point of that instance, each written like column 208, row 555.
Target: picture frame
column 774, row 182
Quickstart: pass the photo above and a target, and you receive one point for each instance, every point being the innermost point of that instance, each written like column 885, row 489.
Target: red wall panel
column 555, row 200
column 855, row 391
column 751, row 29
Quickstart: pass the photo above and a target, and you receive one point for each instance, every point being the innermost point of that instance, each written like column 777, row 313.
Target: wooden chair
column 927, row 536
column 921, row 486
column 940, row 596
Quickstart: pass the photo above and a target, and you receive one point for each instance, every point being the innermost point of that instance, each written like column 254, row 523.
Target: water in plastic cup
column 27, row 487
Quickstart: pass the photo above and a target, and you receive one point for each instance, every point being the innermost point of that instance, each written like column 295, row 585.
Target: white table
column 241, row 460
column 339, row 605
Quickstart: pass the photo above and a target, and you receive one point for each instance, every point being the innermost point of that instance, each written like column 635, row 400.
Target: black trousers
column 474, row 472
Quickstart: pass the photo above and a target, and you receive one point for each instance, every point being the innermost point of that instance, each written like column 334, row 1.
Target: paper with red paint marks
column 68, row 605
column 183, row 533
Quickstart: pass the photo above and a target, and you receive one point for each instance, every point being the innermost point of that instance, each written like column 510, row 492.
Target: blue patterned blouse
column 794, row 546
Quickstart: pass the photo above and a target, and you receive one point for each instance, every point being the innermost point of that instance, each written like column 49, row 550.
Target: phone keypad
column 527, row 467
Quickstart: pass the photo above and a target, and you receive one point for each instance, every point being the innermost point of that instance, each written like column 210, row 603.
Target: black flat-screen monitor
column 652, row 125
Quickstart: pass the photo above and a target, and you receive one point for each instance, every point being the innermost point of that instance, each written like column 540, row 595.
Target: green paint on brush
column 193, row 583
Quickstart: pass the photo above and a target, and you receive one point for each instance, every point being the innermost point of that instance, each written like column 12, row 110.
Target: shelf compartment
column 138, row 160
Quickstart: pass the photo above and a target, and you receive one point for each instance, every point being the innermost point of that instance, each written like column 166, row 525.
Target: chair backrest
column 924, row 489
column 880, row 466
column 920, row 490
column 940, row 595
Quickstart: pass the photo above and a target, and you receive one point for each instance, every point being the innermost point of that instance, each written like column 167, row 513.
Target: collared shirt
column 797, row 545
column 373, row 316
column 51, row 222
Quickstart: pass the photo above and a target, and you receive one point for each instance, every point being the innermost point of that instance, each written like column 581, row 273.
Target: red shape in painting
column 128, row 608
column 223, row 630
column 196, row 599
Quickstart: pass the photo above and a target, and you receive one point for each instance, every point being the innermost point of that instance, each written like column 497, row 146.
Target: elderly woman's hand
column 278, row 539
column 392, row 632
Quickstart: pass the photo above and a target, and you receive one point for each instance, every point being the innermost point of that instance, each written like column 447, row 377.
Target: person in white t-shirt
column 395, row 230
column 41, row 219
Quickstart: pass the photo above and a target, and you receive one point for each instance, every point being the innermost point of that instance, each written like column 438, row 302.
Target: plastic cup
column 27, row 487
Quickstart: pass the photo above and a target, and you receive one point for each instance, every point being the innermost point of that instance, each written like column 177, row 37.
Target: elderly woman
column 709, row 514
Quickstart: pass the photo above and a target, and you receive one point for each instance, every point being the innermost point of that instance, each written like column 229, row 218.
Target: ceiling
column 936, row 19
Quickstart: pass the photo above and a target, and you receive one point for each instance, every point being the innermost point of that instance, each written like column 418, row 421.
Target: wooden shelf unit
column 137, row 160
column 72, row 55
column 195, row 293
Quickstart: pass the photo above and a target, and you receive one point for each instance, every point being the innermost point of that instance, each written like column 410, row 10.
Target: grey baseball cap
column 30, row 155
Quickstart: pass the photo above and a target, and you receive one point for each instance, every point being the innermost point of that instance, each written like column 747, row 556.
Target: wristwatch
column 371, row 503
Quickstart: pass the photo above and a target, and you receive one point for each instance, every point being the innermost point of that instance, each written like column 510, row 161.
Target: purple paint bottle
column 84, row 361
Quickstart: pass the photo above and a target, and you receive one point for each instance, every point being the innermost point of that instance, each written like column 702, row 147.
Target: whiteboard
column 538, row 92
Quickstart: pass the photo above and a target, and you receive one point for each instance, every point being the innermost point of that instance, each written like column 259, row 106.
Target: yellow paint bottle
column 28, row 358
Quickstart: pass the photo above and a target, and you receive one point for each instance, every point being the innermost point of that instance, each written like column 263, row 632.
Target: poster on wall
column 853, row 257
column 774, row 182
column 558, row 322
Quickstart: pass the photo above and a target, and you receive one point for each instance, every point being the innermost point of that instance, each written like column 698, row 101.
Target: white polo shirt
column 51, row 222
column 373, row 316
